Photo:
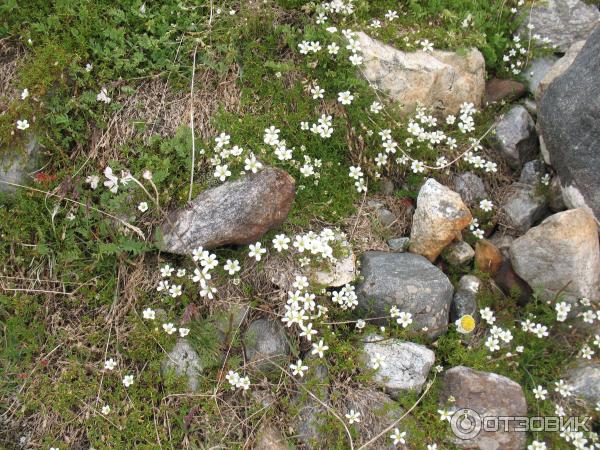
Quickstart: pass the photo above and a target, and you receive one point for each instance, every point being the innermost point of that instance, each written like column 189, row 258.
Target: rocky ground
column 295, row 225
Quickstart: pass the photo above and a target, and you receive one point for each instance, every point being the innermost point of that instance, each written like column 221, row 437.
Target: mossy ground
column 71, row 291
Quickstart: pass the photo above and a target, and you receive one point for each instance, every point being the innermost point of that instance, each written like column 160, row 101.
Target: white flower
column 244, row 383
column 519, row 349
column 432, row 447
column 222, row 140
column 492, row 343
column 143, row 206
column 300, row 283
column 163, row 285
column 488, row 315
column 321, row 19
column 589, row 316
column 540, row 330
column 564, row 389
column 175, row 290
column 377, row 361
column 597, row 340
column 417, row 166
column 562, row 311
column 280, row 242
column 537, row 445
column 256, row 251
column 398, row 437
column 427, row 46
column 105, row 410
column 24, row 94
column 149, row 314
column 271, row 136
column 559, row 411
column 127, row 380
column 233, row 378
column 232, row 267
column 110, row 364
column 353, row 416
column 112, row 182
column 103, row 96
column 222, row 172
column 356, row 60
column 486, row 205
column 444, row 414
column 93, row 181
column 376, row 107
column 586, row 352
column 319, row 349
column 540, row 393
column 22, row 124
column 333, row 48
column 252, row 164
column 183, row 332
column 169, row 328
column 391, row 15
column 299, row 368
column 307, row 330
column 317, row 92
column 88, row 67
column 345, row 97
column 404, row 319
column 356, row 172
column 360, row 324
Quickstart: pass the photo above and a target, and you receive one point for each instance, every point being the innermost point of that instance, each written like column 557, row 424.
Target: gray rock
column 564, row 22
column 465, row 298
column 561, row 254
column 532, row 172
column 503, row 242
column 459, row 253
column 228, row 320
column 490, row 395
column 183, row 360
column 585, row 379
column 409, row 282
column 523, row 207
column 17, row 165
column 515, row 137
column 374, row 204
column 555, row 197
column 399, row 244
column 438, row 80
column 405, row 365
column 387, row 187
column 386, row 217
column 235, row 212
column 537, row 70
column 470, row 187
column 439, row 218
column 568, row 119
column 558, row 68
column 531, row 107
column 265, row 342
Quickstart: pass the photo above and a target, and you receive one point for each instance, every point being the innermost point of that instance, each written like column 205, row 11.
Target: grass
column 71, row 291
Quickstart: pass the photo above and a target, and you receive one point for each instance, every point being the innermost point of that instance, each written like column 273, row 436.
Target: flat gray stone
column 532, row 173
column 399, row 244
column 183, row 360
column 585, row 379
column 17, row 165
column 405, row 365
column 515, row 138
column 409, row 282
column 470, row 187
column 459, row 253
column 523, row 207
column 265, row 342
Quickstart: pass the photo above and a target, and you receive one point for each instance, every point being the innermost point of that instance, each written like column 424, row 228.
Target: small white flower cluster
column 474, row 228
column 103, row 96
column 562, row 311
column 345, row 297
column 309, row 166
column 223, row 153
column 236, row 381
column 208, row 261
column 578, row 440
column 357, row 173
column 538, row 329
column 402, row 318
column 271, row 137
column 342, row 7
column 127, row 380
column 498, row 334
column 516, row 56
column 323, row 127
column 318, row 245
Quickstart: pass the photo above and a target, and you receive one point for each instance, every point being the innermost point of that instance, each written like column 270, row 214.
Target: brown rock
column 488, row 258
column 508, row 281
column 236, row 212
column 497, row 90
column 269, row 438
column 438, row 220
column 488, row 395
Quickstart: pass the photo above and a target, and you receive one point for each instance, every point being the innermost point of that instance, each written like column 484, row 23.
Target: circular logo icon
column 466, row 423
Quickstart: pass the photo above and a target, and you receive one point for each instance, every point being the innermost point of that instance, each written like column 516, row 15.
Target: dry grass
column 11, row 56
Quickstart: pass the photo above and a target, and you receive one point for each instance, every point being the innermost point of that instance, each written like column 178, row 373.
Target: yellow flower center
column 467, row 323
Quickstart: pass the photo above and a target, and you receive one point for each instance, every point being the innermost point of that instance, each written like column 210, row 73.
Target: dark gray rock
column 532, row 172
column 16, row 166
column 523, row 207
column 537, row 70
column 470, row 187
column 399, row 244
column 405, row 365
column 386, row 217
column 409, row 282
column 235, row 212
column 265, row 342
column 459, row 253
column 515, row 137
column 585, row 379
column 183, row 360
column 568, row 117
column 490, row 395
column 465, row 298
column 562, row 21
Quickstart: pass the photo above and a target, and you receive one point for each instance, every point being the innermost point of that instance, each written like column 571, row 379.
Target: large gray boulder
column 585, row 380
column 235, row 212
column 558, row 68
column 515, row 137
column 488, row 395
column 564, row 22
column 409, row 282
column 404, row 365
column 561, row 254
column 568, row 118
column 439, row 80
